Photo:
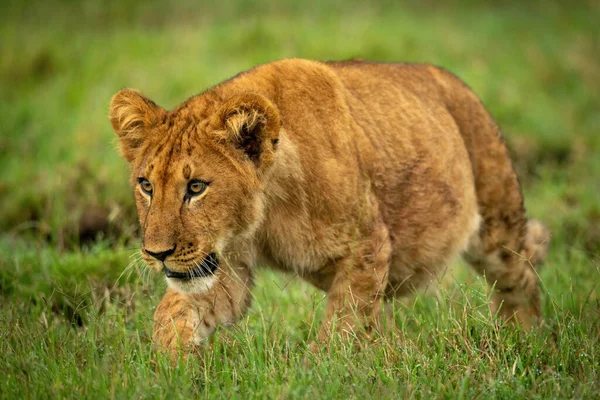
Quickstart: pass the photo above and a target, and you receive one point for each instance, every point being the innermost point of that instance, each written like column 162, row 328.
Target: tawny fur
column 366, row 179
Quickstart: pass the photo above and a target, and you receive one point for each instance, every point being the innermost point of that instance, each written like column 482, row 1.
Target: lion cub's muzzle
column 207, row 268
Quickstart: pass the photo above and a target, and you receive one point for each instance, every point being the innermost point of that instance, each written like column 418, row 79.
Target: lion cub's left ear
column 250, row 122
column 132, row 116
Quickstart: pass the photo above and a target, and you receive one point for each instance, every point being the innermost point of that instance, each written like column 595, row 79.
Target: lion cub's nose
column 161, row 255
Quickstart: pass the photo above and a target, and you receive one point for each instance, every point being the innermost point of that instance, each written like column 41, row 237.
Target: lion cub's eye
column 146, row 186
column 195, row 188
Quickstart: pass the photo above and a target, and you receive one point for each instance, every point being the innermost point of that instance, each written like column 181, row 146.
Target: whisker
column 129, row 268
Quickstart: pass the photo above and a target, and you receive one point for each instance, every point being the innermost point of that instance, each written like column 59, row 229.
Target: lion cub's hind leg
column 505, row 254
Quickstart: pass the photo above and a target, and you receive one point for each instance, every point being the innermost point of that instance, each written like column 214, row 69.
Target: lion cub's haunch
column 366, row 179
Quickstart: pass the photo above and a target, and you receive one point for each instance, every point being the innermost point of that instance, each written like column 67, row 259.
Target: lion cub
column 365, row 179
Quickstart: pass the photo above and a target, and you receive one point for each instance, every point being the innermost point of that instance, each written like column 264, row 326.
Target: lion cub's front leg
column 182, row 320
column 355, row 296
column 178, row 321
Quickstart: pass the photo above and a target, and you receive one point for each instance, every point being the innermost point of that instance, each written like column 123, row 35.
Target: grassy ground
column 75, row 322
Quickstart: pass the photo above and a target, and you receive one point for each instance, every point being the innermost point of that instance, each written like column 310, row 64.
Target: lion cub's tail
column 537, row 239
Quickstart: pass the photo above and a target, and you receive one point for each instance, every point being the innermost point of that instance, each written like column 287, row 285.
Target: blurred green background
column 67, row 221
column 535, row 66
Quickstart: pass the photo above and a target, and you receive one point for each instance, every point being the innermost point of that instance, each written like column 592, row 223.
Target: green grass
column 75, row 322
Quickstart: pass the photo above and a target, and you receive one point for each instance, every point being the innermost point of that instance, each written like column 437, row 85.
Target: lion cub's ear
column 250, row 122
column 131, row 115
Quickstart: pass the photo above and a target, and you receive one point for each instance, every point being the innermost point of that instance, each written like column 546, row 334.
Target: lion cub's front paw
column 178, row 323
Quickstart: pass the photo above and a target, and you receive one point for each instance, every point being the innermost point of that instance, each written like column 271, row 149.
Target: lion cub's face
column 197, row 181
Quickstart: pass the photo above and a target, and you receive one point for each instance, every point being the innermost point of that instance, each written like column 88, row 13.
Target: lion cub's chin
column 191, row 286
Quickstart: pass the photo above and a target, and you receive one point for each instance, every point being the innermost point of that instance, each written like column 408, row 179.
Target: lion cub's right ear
column 132, row 115
column 251, row 123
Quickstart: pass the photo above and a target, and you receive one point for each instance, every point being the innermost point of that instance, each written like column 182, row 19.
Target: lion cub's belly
column 436, row 218
column 425, row 237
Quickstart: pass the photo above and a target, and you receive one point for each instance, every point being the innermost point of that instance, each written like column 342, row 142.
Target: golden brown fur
column 366, row 179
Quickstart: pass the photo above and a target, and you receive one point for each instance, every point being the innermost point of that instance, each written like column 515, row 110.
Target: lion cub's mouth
column 208, row 267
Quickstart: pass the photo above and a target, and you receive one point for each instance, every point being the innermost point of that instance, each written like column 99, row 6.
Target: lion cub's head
column 197, row 176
